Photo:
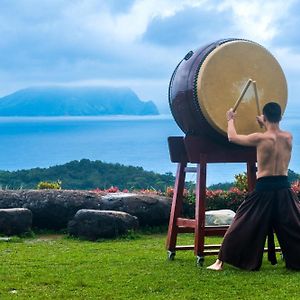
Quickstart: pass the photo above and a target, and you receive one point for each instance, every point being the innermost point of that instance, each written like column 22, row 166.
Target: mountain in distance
column 75, row 101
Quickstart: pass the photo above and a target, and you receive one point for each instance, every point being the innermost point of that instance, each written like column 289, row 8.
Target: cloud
column 288, row 58
column 188, row 29
column 133, row 25
column 138, row 42
column 256, row 19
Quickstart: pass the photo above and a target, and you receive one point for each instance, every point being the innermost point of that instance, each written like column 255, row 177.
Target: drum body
column 208, row 81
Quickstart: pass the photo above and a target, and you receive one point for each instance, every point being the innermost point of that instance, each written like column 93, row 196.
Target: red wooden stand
column 201, row 150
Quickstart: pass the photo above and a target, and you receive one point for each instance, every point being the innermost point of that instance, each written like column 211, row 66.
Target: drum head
column 222, row 77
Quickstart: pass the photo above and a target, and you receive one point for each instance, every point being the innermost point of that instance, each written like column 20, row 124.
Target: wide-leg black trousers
column 271, row 207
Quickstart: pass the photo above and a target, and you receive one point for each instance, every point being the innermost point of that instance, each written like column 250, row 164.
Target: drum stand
column 201, row 150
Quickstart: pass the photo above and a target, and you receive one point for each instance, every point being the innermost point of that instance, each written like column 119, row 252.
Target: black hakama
column 272, row 207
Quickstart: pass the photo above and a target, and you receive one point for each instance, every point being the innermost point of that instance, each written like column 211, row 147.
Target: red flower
column 112, row 189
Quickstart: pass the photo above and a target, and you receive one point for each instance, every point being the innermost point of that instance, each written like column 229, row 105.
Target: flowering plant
column 215, row 199
column 295, row 186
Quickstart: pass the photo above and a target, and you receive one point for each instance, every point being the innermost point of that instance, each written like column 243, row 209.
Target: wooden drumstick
column 257, row 101
column 238, row 101
column 256, row 98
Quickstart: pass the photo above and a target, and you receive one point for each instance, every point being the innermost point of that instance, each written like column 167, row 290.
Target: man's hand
column 260, row 121
column 230, row 115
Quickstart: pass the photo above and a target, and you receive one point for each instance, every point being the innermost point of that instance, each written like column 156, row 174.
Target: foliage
column 241, row 181
column 218, row 199
column 93, row 175
column 54, row 185
column 221, row 186
column 88, row 175
column 115, row 189
column 296, row 187
column 293, row 176
column 53, row 267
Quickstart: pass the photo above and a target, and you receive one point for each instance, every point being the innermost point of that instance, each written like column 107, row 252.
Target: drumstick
column 238, row 101
column 256, row 98
column 257, row 101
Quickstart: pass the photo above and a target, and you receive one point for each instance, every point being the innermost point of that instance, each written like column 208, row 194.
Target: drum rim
column 204, row 48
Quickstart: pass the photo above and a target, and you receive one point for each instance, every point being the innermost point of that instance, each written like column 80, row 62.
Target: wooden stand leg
column 251, row 175
column 176, row 209
column 200, row 210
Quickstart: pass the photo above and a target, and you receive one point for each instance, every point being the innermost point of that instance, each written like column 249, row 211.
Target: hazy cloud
column 131, row 42
column 257, row 19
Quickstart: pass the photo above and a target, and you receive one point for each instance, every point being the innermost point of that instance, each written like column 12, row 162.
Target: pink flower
column 112, row 189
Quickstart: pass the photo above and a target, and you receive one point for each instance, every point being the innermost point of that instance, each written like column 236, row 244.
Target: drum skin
column 208, row 81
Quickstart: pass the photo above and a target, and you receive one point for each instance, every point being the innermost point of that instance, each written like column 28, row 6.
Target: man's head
column 272, row 112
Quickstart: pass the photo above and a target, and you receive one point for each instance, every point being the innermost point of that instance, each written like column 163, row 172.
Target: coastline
column 86, row 118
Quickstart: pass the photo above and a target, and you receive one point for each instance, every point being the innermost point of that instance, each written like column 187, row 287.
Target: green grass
column 57, row 267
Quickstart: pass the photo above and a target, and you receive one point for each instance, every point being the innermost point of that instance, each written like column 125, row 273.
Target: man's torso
column 274, row 153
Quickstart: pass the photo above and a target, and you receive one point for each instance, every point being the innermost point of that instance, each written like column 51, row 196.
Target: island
column 74, row 101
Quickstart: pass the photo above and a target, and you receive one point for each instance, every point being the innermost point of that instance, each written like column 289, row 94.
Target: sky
column 134, row 43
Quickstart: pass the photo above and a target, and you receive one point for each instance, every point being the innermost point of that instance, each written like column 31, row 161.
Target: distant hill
column 87, row 175
column 75, row 101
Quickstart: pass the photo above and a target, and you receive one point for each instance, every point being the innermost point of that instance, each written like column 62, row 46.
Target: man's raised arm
column 241, row 139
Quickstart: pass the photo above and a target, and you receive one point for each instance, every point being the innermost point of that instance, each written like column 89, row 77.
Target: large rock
column 53, row 209
column 14, row 221
column 94, row 224
column 149, row 209
column 219, row 217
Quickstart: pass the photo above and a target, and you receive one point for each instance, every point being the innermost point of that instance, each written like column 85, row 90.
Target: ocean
column 138, row 141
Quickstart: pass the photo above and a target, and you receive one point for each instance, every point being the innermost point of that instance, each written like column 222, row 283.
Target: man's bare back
column 274, row 146
column 273, row 152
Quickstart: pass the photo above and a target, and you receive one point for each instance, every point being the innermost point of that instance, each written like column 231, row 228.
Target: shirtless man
column 272, row 206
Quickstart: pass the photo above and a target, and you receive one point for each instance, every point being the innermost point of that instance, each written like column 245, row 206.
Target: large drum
column 208, row 81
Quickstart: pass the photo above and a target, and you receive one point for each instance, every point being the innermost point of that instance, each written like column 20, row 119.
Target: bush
column 217, row 199
column 241, row 181
column 295, row 186
column 220, row 199
column 44, row 185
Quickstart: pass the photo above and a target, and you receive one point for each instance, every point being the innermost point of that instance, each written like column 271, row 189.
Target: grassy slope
column 129, row 269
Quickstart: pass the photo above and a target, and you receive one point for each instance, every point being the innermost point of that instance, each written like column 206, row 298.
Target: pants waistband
column 271, row 183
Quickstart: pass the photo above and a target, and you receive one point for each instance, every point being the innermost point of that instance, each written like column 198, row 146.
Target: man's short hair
column 272, row 112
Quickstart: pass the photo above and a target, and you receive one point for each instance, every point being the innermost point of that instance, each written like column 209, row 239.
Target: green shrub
column 51, row 185
column 218, row 199
column 241, row 181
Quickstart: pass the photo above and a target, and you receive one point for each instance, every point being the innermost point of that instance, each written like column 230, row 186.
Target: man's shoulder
column 261, row 135
column 268, row 134
column 286, row 134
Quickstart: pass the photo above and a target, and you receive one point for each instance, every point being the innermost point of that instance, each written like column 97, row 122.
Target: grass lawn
column 57, row 267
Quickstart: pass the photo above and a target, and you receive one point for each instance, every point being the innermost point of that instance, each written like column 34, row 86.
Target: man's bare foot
column 217, row 266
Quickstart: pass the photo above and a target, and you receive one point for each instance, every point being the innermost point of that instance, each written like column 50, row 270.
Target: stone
column 53, row 209
column 219, row 217
column 94, row 224
column 15, row 221
column 151, row 210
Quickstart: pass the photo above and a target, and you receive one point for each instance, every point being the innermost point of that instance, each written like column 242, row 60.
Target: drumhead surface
column 222, row 77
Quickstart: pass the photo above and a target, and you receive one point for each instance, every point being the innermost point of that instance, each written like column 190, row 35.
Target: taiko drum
column 208, row 81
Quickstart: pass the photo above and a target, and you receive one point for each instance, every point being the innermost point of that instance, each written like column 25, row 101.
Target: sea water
column 138, row 141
